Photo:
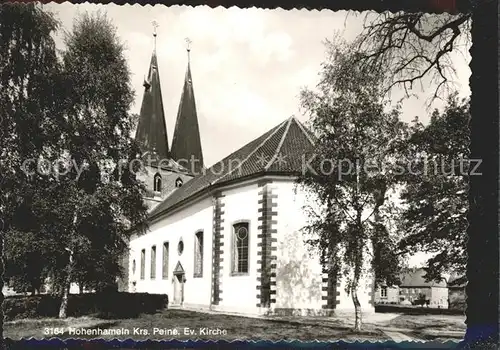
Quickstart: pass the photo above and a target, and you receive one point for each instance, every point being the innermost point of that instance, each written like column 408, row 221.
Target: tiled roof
column 186, row 142
column 415, row 278
column 278, row 151
column 152, row 129
column 457, row 281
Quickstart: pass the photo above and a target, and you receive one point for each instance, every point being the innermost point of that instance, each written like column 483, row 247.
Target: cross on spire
column 155, row 25
column 188, row 48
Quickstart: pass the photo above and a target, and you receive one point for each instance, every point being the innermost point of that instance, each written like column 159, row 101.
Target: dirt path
column 398, row 336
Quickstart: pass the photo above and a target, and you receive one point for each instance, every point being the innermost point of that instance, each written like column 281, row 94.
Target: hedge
column 110, row 305
column 416, row 310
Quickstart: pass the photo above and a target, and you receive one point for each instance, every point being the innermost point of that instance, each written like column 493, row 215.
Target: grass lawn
column 183, row 324
column 235, row 327
column 431, row 327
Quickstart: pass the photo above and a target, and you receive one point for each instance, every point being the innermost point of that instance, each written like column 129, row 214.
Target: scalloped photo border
column 482, row 312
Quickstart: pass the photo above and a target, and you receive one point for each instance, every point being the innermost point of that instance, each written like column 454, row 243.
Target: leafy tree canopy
column 435, row 195
column 72, row 112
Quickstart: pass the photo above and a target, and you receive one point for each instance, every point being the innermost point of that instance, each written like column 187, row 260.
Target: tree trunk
column 67, row 285
column 65, row 293
column 80, row 287
column 357, row 309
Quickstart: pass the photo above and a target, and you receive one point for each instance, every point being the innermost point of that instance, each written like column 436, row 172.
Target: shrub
column 106, row 304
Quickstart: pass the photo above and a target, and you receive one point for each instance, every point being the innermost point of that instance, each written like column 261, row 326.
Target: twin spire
column 152, row 130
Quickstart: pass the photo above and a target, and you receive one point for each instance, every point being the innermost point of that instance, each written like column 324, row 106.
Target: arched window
column 198, row 254
column 157, row 183
column 178, row 182
column 153, row 263
column 240, row 248
column 165, row 260
column 143, row 263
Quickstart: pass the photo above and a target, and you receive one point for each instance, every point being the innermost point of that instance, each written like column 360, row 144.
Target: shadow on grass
column 421, row 323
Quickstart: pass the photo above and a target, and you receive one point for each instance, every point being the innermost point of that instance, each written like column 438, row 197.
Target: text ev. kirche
column 135, row 331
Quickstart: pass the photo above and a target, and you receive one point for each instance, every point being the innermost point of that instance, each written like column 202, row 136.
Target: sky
column 248, row 65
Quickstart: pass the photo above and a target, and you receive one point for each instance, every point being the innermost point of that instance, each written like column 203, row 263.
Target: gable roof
column 178, row 268
column 279, row 151
column 457, row 281
column 415, row 278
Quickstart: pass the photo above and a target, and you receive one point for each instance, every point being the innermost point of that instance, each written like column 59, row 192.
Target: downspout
column 214, row 203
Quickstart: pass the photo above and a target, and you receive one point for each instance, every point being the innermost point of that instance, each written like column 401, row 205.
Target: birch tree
column 358, row 137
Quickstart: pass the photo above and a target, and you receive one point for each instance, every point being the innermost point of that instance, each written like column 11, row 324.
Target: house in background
column 413, row 288
column 387, row 295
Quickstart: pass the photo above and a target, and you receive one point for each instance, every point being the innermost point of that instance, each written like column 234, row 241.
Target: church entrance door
column 179, row 289
column 179, row 280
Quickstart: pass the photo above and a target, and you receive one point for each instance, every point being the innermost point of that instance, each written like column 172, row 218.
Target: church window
column 240, row 248
column 198, row 254
column 180, row 247
column 178, row 182
column 143, row 263
column 157, row 183
column 153, row 262
column 165, row 261
column 383, row 292
column 133, row 267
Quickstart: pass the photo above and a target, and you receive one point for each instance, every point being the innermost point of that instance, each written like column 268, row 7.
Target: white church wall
column 183, row 224
column 299, row 278
column 239, row 292
column 298, row 271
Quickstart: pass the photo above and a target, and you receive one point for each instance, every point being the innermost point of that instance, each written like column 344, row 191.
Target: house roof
column 279, row 151
column 457, row 281
column 415, row 278
column 186, row 142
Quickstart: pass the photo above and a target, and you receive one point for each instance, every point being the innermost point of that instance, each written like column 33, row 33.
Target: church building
column 228, row 238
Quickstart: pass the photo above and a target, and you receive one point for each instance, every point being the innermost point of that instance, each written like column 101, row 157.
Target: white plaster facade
column 297, row 283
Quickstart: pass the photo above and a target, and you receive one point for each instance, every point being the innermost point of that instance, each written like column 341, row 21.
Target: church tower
column 152, row 129
column 160, row 174
column 186, row 143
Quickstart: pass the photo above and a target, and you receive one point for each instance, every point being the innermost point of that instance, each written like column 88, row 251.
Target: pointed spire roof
column 186, row 143
column 152, row 129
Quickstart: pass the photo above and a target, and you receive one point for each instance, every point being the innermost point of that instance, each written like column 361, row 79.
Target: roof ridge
column 278, row 127
column 303, row 130
column 278, row 149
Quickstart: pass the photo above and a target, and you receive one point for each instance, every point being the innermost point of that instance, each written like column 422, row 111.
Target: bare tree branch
column 414, row 47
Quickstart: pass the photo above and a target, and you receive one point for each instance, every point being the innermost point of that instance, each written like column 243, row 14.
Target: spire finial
column 188, row 47
column 155, row 25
